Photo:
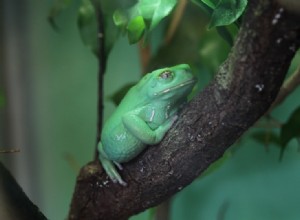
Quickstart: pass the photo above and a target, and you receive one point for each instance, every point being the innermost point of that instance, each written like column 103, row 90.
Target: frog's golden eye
column 167, row 74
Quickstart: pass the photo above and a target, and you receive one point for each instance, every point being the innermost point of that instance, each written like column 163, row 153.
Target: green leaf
column 153, row 10
column 225, row 34
column 203, row 6
column 87, row 24
column 117, row 97
column 291, row 129
column 57, row 7
column 212, row 50
column 210, row 3
column 143, row 17
column 120, row 18
column 114, row 11
column 227, row 12
column 136, row 29
column 161, row 9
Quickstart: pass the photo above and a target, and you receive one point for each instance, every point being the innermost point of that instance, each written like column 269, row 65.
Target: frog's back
column 128, row 103
column 118, row 143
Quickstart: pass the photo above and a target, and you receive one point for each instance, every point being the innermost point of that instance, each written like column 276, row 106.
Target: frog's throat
column 180, row 85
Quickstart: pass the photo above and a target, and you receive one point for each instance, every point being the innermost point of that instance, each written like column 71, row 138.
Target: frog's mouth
column 180, row 85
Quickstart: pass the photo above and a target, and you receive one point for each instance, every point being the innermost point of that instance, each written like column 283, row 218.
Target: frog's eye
column 167, row 74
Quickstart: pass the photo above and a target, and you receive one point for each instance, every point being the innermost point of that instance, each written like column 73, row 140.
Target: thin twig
column 145, row 54
column 102, row 58
column 175, row 20
column 272, row 122
column 8, row 151
column 72, row 162
column 287, row 88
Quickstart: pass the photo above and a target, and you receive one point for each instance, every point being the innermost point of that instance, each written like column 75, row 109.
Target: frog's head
column 172, row 83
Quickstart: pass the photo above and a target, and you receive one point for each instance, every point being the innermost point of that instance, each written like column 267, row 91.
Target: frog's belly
column 121, row 146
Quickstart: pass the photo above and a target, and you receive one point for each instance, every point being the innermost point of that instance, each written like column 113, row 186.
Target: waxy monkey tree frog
column 143, row 117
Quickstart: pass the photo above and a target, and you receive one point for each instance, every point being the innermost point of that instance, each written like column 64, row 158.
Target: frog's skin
column 143, row 117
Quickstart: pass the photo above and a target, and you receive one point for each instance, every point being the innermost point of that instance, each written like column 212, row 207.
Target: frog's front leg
column 109, row 167
column 141, row 130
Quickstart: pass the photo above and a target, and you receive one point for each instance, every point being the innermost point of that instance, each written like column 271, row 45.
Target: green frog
column 144, row 116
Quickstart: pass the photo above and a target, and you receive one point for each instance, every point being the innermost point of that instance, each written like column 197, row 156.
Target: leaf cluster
column 137, row 19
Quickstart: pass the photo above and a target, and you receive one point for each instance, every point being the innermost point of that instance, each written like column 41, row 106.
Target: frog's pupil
column 165, row 74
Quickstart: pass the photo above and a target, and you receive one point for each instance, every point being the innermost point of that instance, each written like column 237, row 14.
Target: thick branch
column 243, row 90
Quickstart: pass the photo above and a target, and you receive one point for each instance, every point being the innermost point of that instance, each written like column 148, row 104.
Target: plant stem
column 8, row 151
column 145, row 54
column 102, row 60
column 288, row 87
column 175, row 20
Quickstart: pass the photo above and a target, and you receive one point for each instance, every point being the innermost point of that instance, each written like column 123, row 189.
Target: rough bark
column 243, row 90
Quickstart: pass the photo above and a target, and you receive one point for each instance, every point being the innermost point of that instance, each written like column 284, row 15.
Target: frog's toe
column 115, row 176
column 111, row 171
column 120, row 167
column 122, row 182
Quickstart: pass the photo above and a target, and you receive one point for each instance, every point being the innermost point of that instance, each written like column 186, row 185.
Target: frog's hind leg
column 109, row 167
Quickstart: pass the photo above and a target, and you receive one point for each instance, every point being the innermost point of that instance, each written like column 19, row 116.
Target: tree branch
column 243, row 90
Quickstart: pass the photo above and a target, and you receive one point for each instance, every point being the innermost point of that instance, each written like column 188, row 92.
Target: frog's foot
column 111, row 171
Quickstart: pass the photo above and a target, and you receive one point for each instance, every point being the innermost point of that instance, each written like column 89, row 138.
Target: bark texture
column 243, row 90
